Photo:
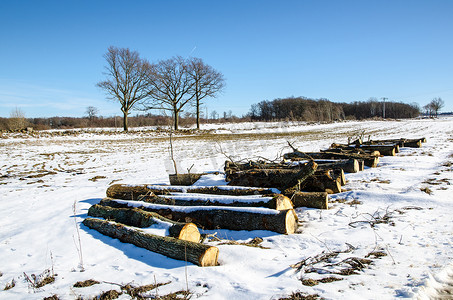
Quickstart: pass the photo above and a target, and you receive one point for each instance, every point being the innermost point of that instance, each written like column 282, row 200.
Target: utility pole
column 383, row 108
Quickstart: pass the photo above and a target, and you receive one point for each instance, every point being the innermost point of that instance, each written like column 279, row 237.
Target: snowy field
column 393, row 223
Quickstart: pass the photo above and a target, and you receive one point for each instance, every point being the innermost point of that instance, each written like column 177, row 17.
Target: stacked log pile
column 129, row 210
column 259, row 196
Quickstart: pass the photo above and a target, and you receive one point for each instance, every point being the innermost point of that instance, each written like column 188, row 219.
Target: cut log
column 370, row 161
column 386, row 150
column 281, row 179
column 140, row 218
column 413, row 143
column 338, row 174
column 311, row 200
column 138, row 191
column 196, row 253
column 348, row 165
column 322, row 182
column 234, row 218
column 276, row 201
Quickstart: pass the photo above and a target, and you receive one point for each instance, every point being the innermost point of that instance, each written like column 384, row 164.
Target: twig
column 79, row 247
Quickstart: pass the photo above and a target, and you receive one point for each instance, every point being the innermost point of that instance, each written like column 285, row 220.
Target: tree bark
column 348, row 166
column 311, row 200
column 233, row 218
column 370, row 161
column 196, row 253
column 386, row 150
column 276, row 201
column 138, row 191
column 412, row 143
column 125, row 125
column 140, row 218
column 281, row 179
column 197, row 101
column 176, row 116
column 322, row 182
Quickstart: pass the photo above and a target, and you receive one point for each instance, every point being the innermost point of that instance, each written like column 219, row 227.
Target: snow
column 187, row 209
column 42, row 178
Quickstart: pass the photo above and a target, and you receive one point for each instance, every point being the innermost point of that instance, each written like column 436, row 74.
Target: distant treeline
column 304, row 109
column 21, row 123
column 293, row 109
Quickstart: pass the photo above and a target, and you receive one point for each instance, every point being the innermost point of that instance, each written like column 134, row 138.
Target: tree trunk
column 233, row 218
column 281, row 179
column 176, row 118
column 198, row 111
column 140, row 218
column 311, row 200
column 125, row 127
column 196, row 253
column 139, row 191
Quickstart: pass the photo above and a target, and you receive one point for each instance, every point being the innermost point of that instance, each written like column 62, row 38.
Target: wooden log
column 131, row 192
column 416, row 143
column 338, row 173
column 361, row 164
column 348, row 166
column 276, row 201
column 234, row 218
column 386, row 150
column 140, row 218
column 140, row 191
column 370, row 161
column 196, row 253
column 273, row 200
column 281, row 179
column 311, row 200
column 402, row 142
column 322, row 182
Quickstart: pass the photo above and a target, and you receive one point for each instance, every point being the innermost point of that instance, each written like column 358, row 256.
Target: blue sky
column 51, row 52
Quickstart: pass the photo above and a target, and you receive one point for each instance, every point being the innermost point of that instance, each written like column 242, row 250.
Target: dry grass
column 96, row 178
column 313, row 282
column 253, row 243
column 38, row 281
column 9, row 286
column 301, row 296
column 86, row 283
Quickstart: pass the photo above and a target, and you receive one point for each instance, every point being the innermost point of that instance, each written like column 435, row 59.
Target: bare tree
column 92, row 112
column 17, row 120
column 207, row 82
column 126, row 79
column 436, row 105
column 170, row 86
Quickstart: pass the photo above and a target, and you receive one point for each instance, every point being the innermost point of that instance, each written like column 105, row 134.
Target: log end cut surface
column 209, row 257
column 190, row 233
column 282, row 202
column 291, row 221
